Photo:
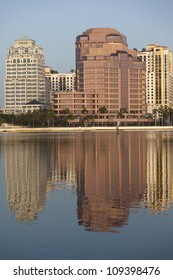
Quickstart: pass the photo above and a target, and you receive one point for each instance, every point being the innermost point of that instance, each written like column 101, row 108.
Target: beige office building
column 60, row 81
column 25, row 75
column 159, row 76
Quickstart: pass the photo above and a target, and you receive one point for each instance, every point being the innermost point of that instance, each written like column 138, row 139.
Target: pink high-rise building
column 108, row 74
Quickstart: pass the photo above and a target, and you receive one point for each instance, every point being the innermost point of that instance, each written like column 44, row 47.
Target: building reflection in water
column 111, row 174
column 36, row 165
column 26, row 164
column 159, row 195
column 112, row 179
column 63, row 162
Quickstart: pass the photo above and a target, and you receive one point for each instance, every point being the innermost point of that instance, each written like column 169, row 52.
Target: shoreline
column 81, row 129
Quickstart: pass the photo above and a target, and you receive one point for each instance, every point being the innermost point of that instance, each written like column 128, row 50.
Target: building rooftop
column 34, row 102
column 24, row 38
column 106, row 30
column 102, row 34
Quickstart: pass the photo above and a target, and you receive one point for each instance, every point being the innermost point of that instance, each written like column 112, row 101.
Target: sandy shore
column 18, row 129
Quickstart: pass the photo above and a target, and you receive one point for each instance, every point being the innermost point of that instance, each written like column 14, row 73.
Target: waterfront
column 86, row 195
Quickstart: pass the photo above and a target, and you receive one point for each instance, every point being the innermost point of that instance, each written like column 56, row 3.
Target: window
column 84, row 38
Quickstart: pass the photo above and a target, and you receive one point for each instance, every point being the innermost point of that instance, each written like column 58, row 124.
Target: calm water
column 86, row 195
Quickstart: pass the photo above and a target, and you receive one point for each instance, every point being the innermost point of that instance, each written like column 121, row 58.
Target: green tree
column 68, row 117
column 42, row 117
column 65, row 111
column 1, row 121
column 84, row 111
column 33, row 118
column 50, row 117
column 86, row 118
column 120, row 115
column 164, row 114
column 155, row 115
column 103, row 110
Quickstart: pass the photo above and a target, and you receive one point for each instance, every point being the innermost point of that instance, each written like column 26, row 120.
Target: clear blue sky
column 54, row 24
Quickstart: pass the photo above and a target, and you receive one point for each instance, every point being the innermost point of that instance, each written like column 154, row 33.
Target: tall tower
column 159, row 76
column 108, row 73
column 25, row 75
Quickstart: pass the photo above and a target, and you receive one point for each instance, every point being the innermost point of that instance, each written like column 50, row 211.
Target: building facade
column 60, row 81
column 25, row 75
column 108, row 74
column 159, row 76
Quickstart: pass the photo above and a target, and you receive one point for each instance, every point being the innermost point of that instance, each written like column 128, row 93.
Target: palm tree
column 86, row 117
column 102, row 110
column 65, row 111
column 170, row 115
column 164, row 114
column 34, row 116
column 42, row 116
column 50, row 117
column 155, row 115
column 120, row 115
column 84, row 111
column 70, row 118
column 1, row 121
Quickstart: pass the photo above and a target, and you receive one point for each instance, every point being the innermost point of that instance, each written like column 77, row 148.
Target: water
column 86, row 195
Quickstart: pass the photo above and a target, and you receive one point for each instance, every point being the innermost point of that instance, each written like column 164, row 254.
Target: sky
column 54, row 25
